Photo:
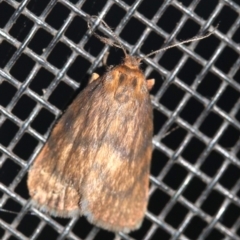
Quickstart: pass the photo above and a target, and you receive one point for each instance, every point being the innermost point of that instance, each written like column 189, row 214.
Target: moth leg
column 150, row 83
column 105, row 58
column 93, row 77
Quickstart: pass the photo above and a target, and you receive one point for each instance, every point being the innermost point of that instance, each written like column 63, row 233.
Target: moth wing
column 116, row 200
column 115, row 190
column 59, row 164
column 96, row 161
column 48, row 192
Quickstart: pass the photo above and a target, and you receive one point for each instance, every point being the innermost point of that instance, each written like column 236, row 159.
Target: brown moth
column 96, row 161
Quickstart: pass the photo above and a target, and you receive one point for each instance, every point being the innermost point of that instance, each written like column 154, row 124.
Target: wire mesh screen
column 46, row 56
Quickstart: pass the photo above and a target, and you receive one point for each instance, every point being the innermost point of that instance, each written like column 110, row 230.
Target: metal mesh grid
column 45, row 53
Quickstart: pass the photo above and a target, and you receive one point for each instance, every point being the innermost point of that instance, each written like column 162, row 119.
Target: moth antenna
column 110, row 42
column 13, row 212
column 8, row 211
column 180, row 43
column 170, row 131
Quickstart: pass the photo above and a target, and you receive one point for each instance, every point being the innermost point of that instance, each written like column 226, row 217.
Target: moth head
column 132, row 62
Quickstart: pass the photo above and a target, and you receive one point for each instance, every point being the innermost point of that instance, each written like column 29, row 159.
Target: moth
column 96, row 161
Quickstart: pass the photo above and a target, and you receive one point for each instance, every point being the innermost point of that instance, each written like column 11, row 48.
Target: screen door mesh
column 46, row 57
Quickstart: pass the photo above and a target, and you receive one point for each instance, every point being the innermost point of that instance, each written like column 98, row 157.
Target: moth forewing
column 96, row 160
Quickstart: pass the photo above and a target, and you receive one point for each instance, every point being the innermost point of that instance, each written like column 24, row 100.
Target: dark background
column 46, row 58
